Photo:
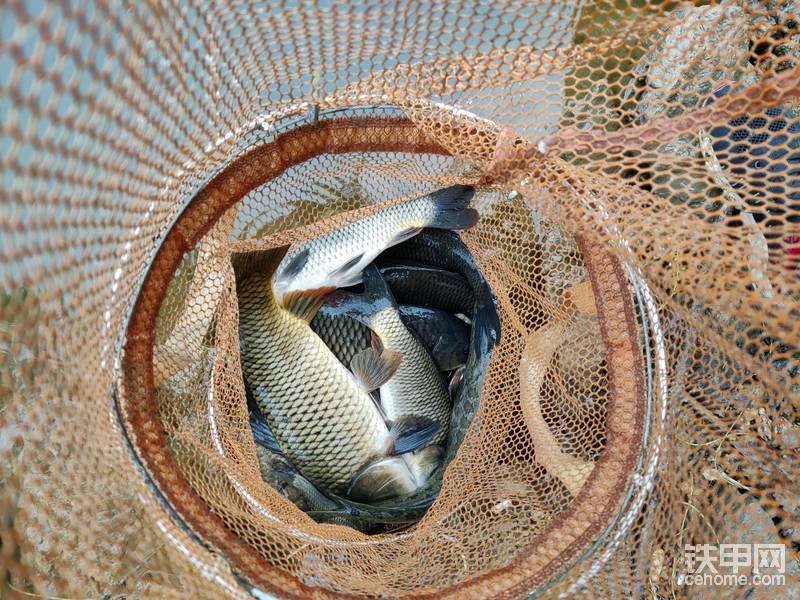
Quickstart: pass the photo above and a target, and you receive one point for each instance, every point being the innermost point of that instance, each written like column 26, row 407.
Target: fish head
column 383, row 479
column 425, row 462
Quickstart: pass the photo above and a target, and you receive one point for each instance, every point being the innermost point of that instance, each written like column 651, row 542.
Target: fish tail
column 382, row 479
column 452, row 208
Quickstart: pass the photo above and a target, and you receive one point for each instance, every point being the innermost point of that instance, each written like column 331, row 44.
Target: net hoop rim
column 134, row 396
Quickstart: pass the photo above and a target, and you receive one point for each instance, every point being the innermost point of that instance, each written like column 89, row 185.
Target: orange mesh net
column 637, row 168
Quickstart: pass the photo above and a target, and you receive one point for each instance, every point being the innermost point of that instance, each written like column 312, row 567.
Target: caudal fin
column 260, row 261
column 452, row 208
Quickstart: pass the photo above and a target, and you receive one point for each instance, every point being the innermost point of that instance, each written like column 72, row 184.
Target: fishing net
column 637, row 168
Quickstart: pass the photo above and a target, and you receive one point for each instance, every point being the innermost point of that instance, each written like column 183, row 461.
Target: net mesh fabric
column 637, row 173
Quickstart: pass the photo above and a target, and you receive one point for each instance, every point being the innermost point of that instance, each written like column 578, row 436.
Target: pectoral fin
column 294, row 266
column 403, row 236
column 348, row 274
column 455, row 381
column 262, row 433
column 409, row 433
column 372, row 368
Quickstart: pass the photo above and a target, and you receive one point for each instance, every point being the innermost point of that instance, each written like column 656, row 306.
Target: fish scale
column 417, row 387
column 443, row 335
column 297, row 379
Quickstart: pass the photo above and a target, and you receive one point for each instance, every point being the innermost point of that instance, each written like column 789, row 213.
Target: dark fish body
column 446, row 337
column 445, row 250
column 429, row 286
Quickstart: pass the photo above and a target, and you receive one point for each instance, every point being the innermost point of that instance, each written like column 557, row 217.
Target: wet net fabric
column 638, row 177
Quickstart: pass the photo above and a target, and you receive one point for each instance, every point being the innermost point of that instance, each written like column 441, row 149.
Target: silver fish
column 337, row 258
column 445, row 250
column 417, row 387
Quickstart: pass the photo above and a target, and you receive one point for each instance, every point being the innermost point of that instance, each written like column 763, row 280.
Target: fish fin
column 372, row 369
column 376, row 292
column 437, row 346
column 382, row 479
column 452, row 208
column 486, row 323
column 347, row 274
column 403, row 236
column 259, row 261
column 410, row 432
column 375, row 342
column 456, row 380
column 304, row 304
column 295, row 265
column 262, row 432
column 352, row 279
column 376, row 398
column 425, row 462
column 462, row 219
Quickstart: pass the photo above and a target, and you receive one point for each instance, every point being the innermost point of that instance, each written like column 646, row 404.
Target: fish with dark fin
column 416, row 388
column 445, row 250
column 336, row 259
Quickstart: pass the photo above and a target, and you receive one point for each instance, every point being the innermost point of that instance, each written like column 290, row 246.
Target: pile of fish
column 359, row 397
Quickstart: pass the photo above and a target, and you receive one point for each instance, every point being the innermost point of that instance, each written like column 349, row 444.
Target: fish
column 429, row 286
column 336, row 259
column 445, row 250
column 323, row 416
column 278, row 471
column 443, row 335
column 416, row 388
